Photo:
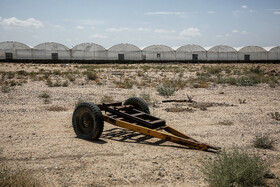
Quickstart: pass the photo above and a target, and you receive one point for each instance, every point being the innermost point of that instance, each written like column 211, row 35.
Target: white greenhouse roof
column 88, row 47
column 252, row 49
column 124, row 47
column 158, row 48
column 275, row 49
column 51, row 46
column 13, row 45
column 222, row 48
column 190, row 48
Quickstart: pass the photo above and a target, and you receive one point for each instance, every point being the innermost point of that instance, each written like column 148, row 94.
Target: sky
column 173, row 23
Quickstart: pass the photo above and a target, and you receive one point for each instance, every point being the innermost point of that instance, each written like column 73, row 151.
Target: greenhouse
column 191, row 53
column 123, row 52
column 253, row 53
column 51, row 51
column 89, row 51
column 10, row 50
column 222, row 53
column 274, row 53
column 158, row 53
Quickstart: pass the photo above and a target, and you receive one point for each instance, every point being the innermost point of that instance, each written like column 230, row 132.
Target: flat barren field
column 231, row 106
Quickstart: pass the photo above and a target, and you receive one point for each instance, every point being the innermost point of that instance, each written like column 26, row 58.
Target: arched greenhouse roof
column 124, row 47
column 51, row 46
column 158, row 48
column 13, row 45
column 190, row 48
column 222, row 48
column 88, row 47
column 253, row 49
column 275, row 49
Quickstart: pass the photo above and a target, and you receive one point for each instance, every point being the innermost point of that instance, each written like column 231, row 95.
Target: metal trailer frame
column 132, row 118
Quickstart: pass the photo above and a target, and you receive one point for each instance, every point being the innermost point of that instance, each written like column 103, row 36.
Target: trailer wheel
column 87, row 121
column 138, row 104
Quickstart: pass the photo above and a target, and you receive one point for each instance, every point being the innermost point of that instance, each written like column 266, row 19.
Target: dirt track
column 43, row 142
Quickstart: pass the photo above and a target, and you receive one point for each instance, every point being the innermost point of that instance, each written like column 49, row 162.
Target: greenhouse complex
column 91, row 52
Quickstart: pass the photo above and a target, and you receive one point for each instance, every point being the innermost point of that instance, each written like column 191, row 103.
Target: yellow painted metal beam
column 180, row 138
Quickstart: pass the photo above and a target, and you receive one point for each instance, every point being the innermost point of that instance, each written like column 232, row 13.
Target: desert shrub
column 45, row 95
column 56, row 108
column 201, row 84
column 106, row 99
column 179, row 109
column 22, row 72
column 3, row 76
column 127, row 83
column 166, row 90
column 256, row 70
column 11, row 75
column 13, row 83
column 228, row 70
column 18, row 178
column 146, row 98
column 57, row 72
column 65, row 84
column 71, row 78
column 57, row 84
column 236, row 168
column 177, row 83
column 49, row 82
column 91, row 75
column 5, row 89
column 263, row 142
column 146, row 68
column 212, row 70
column 242, row 101
column 140, row 73
column 275, row 115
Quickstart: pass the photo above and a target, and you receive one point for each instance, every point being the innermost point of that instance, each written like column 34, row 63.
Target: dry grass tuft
column 275, row 115
column 236, row 168
column 179, row 109
column 56, row 108
column 263, row 142
column 226, row 123
column 16, row 178
column 106, row 99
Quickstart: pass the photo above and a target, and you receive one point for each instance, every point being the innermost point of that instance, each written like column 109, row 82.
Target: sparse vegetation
column 56, row 108
column 79, row 102
column 106, row 99
column 275, row 115
column 71, row 78
column 127, row 84
column 242, row 101
column 236, row 168
column 190, row 98
column 65, row 84
column 263, row 142
column 166, row 90
column 226, row 123
column 5, row 89
column 45, row 95
column 91, row 75
column 146, row 98
column 16, row 178
column 179, row 109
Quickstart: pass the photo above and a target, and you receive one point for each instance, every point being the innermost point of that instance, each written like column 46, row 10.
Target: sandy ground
column 43, row 142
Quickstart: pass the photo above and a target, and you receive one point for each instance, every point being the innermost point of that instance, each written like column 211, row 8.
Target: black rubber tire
column 87, row 121
column 138, row 104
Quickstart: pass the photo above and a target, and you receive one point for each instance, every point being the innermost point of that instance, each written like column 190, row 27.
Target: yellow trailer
column 88, row 122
